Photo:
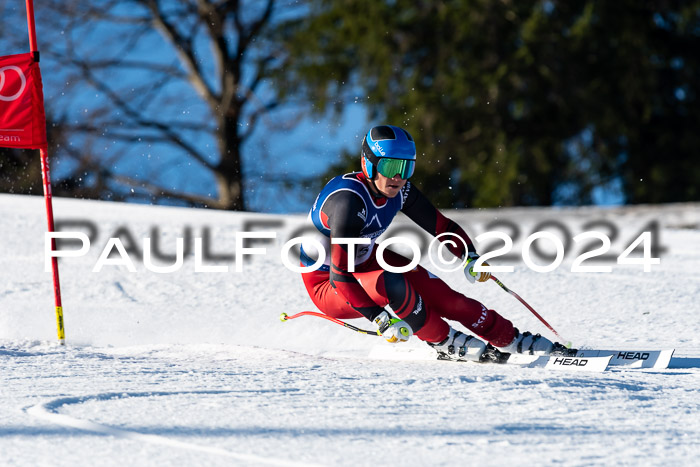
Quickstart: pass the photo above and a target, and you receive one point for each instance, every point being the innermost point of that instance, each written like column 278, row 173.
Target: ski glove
column 471, row 275
column 393, row 329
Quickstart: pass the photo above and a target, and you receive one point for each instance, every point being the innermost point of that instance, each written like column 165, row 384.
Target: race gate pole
column 46, row 177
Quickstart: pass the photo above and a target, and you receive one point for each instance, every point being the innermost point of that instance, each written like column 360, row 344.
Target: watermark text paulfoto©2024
column 596, row 245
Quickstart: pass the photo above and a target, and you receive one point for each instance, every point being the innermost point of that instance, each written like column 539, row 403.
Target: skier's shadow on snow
column 684, row 362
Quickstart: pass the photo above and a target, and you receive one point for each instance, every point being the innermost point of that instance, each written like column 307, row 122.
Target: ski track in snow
column 196, row 368
column 49, row 412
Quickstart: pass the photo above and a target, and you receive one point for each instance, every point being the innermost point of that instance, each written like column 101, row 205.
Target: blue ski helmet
column 389, row 150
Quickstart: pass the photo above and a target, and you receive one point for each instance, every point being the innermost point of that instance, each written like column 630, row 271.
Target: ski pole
column 529, row 308
column 285, row 317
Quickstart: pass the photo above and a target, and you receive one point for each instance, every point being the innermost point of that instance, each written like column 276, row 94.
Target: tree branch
column 184, row 49
column 138, row 118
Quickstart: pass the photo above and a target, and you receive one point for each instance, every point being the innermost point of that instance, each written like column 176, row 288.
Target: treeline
column 510, row 102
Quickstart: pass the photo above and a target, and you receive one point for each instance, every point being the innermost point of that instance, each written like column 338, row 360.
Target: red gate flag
column 22, row 118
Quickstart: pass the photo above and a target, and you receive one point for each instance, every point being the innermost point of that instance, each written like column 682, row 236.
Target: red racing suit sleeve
column 420, row 210
column 343, row 212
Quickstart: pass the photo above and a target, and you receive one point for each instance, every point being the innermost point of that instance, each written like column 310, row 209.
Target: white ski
column 588, row 363
column 597, row 363
column 632, row 358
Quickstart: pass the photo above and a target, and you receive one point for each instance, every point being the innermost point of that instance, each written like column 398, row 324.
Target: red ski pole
column 530, row 308
column 286, row 317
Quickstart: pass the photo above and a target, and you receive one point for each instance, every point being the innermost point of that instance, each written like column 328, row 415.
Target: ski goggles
column 391, row 167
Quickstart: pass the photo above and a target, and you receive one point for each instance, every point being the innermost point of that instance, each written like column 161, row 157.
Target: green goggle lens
column 392, row 167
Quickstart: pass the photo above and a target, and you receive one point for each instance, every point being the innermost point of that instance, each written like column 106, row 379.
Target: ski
column 658, row 359
column 583, row 360
column 553, row 362
column 561, row 362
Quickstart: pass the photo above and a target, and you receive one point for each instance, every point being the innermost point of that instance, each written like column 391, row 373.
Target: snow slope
column 195, row 368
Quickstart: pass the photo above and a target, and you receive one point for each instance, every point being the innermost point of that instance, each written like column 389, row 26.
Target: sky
column 276, row 150
column 304, row 150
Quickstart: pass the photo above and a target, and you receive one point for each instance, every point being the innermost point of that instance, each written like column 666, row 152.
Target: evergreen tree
column 518, row 103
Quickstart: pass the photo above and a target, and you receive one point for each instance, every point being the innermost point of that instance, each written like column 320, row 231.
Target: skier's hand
column 471, row 275
column 393, row 329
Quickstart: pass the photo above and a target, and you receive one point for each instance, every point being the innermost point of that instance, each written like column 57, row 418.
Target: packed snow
column 196, row 368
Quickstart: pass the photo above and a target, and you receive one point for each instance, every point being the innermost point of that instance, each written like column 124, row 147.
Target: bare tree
column 149, row 85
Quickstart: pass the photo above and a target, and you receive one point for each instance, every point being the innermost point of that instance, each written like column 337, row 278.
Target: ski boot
column 560, row 350
column 535, row 344
column 493, row 355
column 458, row 346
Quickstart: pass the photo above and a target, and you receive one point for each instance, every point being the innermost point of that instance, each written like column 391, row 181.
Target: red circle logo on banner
column 11, row 97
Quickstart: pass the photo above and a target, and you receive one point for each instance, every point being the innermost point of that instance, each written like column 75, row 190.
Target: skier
column 362, row 205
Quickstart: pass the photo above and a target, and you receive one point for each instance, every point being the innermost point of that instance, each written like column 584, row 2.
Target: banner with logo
column 22, row 118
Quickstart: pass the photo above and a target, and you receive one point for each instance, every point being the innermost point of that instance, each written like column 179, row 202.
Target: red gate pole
column 46, row 177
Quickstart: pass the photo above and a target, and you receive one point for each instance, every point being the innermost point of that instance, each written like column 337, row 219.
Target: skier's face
column 389, row 187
